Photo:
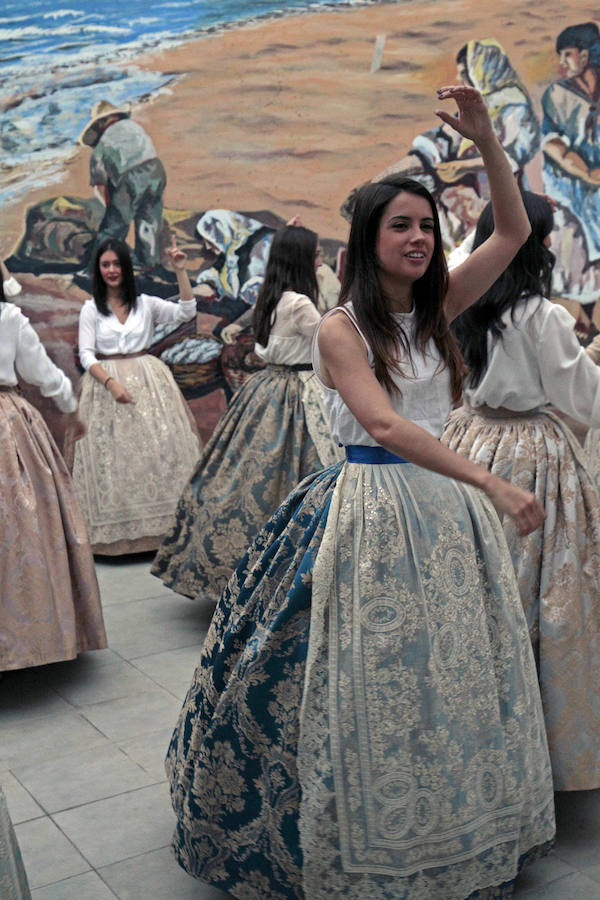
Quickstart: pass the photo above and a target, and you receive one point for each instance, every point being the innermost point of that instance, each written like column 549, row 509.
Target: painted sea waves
column 56, row 62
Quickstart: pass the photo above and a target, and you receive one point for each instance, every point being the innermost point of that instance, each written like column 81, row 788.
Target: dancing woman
column 523, row 354
column 365, row 719
column 141, row 442
column 49, row 598
column 273, row 434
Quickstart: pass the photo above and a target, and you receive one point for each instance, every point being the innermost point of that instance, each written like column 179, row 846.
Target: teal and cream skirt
column 365, row 718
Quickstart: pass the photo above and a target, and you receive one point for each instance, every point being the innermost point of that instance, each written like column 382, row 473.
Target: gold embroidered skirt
column 558, row 571
column 135, row 458
column 50, row 603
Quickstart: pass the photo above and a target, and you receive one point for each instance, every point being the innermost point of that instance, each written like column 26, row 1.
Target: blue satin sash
column 357, row 453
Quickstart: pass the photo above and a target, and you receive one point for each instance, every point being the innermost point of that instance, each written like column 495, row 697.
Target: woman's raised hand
column 178, row 257
column 473, row 120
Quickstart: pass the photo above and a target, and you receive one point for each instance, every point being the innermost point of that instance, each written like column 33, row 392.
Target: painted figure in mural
column 130, row 179
column 449, row 165
column 522, row 354
column 273, row 434
column 50, row 602
column 571, row 148
column 141, row 442
column 365, row 718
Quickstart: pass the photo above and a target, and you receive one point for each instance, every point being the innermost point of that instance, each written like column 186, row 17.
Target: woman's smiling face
column 405, row 240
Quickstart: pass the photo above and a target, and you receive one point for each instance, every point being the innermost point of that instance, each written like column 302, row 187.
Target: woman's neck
column 115, row 298
column 398, row 296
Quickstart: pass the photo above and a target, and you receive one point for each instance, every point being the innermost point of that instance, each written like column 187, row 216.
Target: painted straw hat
column 100, row 111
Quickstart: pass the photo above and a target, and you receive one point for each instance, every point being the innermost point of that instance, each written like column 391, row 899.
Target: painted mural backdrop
column 218, row 122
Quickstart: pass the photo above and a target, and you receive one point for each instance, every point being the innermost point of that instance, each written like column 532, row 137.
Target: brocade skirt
column 135, row 458
column 273, row 434
column 558, row 572
column 49, row 598
column 365, row 718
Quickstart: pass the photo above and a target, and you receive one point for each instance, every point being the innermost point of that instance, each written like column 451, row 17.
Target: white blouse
column 423, row 395
column 22, row 352
column 108, row 336
column 291, row 336
column 538, row 360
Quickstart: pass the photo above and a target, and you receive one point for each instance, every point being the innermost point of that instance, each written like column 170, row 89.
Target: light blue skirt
column 365, row 719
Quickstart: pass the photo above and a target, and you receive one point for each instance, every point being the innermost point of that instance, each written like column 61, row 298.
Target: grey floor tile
column 171, row 669
column 82, row 887
column 28, row 693
column 578, row 828
column 78, row 778
column 572, row 887
column 150, row 750
column 48, row 855
column 156, row 875
column 129, row 717
column 109, row 831
column 541, row 873
column 40, row 738
column 145, row 627
column 109, row 682
column 21, row 804
column 123, row 579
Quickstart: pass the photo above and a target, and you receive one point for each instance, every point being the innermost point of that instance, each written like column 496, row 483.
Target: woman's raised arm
column 511, row 225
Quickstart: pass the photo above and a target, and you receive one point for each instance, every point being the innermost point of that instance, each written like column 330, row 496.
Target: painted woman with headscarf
column 571, row 152
column 449, row 165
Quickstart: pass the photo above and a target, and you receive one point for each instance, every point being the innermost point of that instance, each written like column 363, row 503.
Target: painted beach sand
column 272, row 118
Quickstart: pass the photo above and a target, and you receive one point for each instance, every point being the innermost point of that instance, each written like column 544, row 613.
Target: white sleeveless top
column 424, row 394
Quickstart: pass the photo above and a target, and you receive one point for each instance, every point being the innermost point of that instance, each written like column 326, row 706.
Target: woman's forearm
column 510, row 217
column 413, row 443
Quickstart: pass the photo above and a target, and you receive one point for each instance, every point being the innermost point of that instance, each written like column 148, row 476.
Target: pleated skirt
column 365, row 718
column 131, row 466
column 50, row 602
column 273, row 434
column 558, row 572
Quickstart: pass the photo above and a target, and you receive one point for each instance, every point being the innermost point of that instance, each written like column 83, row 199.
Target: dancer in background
column 273, row 434
column 141, row 442
column 365, row 719
column 523, row 354
column 49, row 598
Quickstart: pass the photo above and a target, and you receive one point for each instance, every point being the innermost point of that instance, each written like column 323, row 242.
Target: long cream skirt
column 135, row 458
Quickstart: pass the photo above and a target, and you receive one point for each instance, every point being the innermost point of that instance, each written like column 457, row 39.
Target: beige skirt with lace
column 50, row 603
column 135, row 458
column 558, row 571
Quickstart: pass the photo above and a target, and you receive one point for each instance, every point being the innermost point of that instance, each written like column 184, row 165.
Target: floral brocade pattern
column 50, row 609
column 273, row 435
column 135, row 458
column 365, row 719
column 558, row 572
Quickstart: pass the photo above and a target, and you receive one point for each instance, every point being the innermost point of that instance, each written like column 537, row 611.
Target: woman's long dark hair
column 100, row 289
column 290, row 267
column 361, row 285
column 529, row 274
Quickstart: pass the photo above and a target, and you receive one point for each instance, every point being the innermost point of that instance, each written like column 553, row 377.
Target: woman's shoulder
column 12, row 315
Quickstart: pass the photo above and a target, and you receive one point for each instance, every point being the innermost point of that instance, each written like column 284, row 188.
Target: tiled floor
column 81, row 760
